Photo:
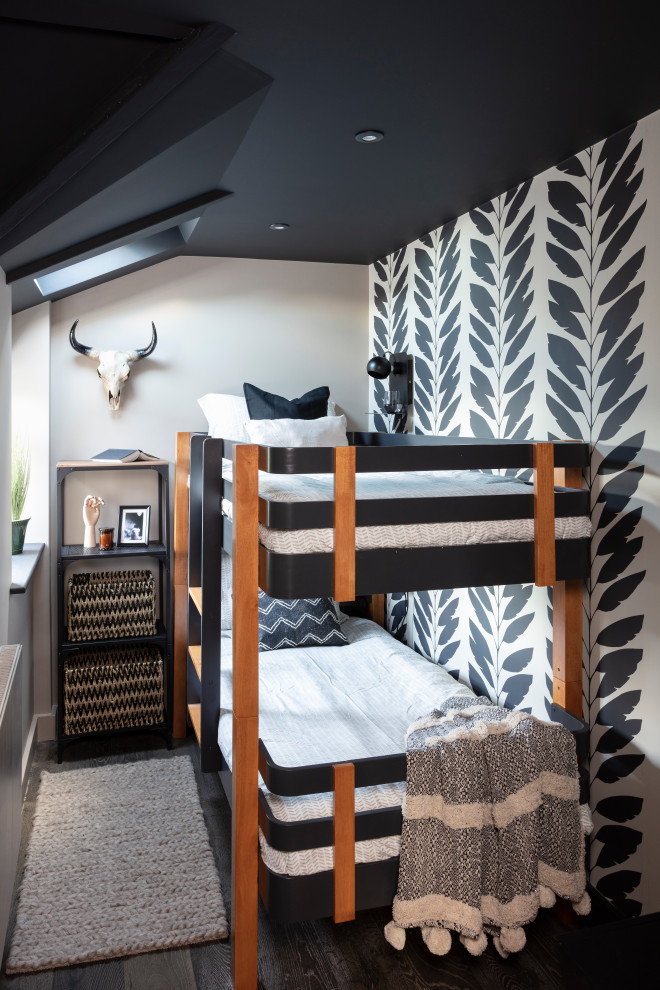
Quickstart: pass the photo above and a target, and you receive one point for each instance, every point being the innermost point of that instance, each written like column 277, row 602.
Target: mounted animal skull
column 114, row 366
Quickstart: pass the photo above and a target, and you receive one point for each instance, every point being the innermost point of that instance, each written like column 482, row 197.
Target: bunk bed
column 545, row 541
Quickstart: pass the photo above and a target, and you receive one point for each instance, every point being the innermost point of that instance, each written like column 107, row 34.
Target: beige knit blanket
column 491, row 829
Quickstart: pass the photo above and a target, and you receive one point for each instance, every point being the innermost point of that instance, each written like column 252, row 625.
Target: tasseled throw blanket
column 491, row 827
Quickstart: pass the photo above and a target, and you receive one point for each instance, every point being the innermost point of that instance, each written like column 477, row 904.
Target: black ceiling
column 125, row 118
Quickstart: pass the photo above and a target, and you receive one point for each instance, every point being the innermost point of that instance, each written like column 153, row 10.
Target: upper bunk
column 404, row 512
column 212, row 472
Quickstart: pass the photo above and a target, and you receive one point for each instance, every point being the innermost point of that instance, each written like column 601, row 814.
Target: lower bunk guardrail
column 314, row 833
column 318, row 778
column 375, row 823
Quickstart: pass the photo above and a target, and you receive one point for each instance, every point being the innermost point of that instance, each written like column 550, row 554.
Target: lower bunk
column 322, row 706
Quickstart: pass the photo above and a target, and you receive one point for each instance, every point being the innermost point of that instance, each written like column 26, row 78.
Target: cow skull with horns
column 114, row 366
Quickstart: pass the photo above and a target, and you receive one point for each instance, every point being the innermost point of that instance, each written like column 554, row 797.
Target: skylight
column 115, row 260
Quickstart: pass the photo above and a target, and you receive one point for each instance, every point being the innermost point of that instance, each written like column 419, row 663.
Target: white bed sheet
column 328, row 704
column 411, row 484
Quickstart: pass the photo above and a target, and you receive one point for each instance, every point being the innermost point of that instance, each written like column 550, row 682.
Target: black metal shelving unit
column 157, row 550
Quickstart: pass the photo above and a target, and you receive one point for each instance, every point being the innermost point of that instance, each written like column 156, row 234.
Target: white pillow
column 327, row 431
column 226, row 415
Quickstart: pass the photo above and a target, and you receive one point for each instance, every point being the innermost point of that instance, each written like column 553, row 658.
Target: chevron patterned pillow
column 299, row 622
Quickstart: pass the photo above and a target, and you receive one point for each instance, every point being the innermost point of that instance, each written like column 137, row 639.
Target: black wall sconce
column 398, row 397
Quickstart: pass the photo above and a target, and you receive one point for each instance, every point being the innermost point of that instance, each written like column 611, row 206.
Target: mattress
column 330, row 704
column 410, row 484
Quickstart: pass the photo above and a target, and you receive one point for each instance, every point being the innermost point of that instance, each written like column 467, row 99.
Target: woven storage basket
column 113, row 687
column 111, row 604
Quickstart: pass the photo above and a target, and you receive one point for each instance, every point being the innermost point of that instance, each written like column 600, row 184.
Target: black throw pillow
column 267, row 405
column 298, row 622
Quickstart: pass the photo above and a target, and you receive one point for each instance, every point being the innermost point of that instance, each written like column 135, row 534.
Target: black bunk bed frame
column 375, row 572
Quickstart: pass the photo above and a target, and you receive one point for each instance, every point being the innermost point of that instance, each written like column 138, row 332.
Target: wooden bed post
column 344, row 557
column 377, row 611
column 344, row 842
column 180, row 639
column 245, row 730
column 544, row 514
column 567, row 626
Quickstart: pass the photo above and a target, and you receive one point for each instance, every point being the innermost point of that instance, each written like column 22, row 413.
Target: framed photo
column 133, row 528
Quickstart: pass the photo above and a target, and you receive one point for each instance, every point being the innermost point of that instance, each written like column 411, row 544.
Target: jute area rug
column 118, row 863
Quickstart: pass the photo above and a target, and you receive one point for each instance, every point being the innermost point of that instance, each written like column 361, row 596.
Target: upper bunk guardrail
column 412, row 452
column 381, row 452
column 391, row 452
column 392, row 510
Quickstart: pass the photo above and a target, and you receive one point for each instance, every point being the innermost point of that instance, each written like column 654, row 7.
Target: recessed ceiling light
column 279, row 226
column 369, row 137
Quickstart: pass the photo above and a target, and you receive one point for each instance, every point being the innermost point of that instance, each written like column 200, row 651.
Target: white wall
column 30, row 403
column 284, row 326
column 5, row 455
column 30, row 409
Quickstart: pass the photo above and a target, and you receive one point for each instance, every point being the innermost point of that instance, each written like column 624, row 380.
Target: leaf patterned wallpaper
column 536, row 316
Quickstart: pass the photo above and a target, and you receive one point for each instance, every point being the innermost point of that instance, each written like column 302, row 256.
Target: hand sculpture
column 91, row 511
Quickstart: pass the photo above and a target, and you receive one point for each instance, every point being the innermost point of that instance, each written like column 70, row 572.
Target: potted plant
column 20, row 479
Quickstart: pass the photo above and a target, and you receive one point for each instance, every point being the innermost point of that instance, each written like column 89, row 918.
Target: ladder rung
column 196, row 595
column 195, row 653
column 195, row 712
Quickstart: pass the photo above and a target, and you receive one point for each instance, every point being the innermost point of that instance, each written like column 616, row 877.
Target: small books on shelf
column 124, row 456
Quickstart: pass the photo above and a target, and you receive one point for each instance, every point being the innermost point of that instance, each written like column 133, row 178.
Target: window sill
column 23, row 566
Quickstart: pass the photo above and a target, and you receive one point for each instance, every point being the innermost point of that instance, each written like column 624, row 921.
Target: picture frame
column 133, row 526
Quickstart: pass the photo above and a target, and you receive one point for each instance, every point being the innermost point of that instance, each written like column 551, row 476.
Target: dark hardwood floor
column 315, row 955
